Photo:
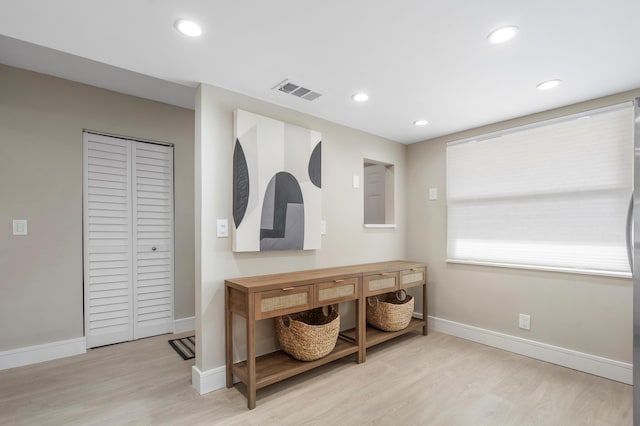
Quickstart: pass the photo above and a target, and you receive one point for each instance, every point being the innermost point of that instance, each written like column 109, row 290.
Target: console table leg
column 228, row 329
column 425, row 315
column 361, row 329
column 251, row 397
column 251, row 385
column 251, row 356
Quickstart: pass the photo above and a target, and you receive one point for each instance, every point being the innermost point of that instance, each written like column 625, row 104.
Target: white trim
column 40, row 353
column 380, row 225
column 208, row 381
column 592, row 364
column 127, row 138
column 184, row 324
column 543, row 268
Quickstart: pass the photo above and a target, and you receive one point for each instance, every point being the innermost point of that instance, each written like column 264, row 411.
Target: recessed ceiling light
column 549, row 84
column 503, row 34
column 421, row 122
column 188, row 28
column 360, row 97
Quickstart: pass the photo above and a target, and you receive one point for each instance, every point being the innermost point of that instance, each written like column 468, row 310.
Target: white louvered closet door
column 128, row 239
column 153, row 242
column 108, row 254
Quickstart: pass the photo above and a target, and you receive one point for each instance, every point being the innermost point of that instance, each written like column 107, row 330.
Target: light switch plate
column 222, row 226
column 323, row 227
column 19, row 227
column 356, row 181
column 524, row 321
column 433, row 194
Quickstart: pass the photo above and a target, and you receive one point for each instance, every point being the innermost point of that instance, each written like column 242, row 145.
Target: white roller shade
column 552, row 195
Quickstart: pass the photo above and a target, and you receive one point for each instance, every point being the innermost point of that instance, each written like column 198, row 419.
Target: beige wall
column 585, row 313
column 346, row 242
column 41, row 124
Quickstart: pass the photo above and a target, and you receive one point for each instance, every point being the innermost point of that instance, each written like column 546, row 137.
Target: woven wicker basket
column 308, row 335
column 390, row 311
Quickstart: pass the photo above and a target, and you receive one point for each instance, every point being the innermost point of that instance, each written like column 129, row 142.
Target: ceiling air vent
column 296, row 90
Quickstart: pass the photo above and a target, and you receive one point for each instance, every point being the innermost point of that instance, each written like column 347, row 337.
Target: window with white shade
column 553, row 195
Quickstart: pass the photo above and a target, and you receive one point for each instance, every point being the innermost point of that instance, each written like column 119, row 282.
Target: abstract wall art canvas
column 277, row 181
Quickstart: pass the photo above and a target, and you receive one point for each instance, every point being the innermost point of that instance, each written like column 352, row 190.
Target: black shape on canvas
column 315, row 165
column 240, row 184
column 282, row 224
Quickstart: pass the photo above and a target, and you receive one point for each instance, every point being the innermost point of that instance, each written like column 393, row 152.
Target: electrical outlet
column 525, row 322
column 19, row 227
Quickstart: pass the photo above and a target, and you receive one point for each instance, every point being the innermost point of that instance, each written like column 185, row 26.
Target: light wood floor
column 415, row 380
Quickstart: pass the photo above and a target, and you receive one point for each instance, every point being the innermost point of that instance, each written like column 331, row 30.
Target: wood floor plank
column 413, row 380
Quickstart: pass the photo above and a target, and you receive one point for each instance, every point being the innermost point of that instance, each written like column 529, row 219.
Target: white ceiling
column 416, row 58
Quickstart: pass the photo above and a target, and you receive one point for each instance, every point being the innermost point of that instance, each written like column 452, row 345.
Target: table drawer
column 339, row 290
column 413, row 277
column 383, row 282
column 288, row 300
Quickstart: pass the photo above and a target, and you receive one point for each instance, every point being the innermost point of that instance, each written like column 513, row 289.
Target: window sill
column 379, row 225
column 545, row 268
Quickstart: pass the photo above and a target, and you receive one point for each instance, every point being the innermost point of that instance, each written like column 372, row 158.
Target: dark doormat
column 186, row 347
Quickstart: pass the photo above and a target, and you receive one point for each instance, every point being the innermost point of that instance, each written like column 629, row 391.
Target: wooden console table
column 267, row 296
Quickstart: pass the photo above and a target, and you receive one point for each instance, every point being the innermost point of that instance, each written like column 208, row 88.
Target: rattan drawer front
column 340, row 290
column 285, row 301
column 380, row 283
column 413, row 277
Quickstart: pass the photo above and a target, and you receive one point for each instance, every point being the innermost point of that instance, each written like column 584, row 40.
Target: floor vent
column 290, row 88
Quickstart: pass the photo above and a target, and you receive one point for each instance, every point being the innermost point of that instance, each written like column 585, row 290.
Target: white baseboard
column 184, row 324
column 592, row 364
column 209, row 380
column 40, row 353
column 214, row 379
